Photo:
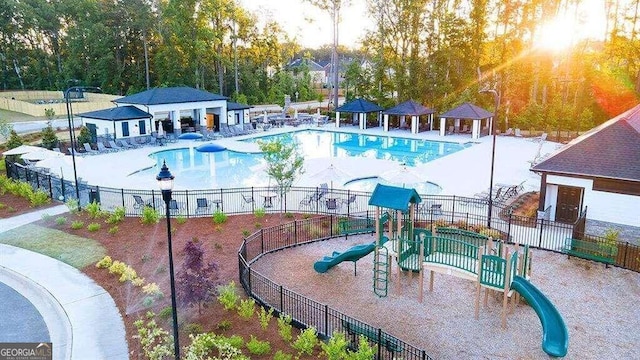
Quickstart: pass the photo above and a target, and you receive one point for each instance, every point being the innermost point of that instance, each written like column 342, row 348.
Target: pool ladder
column 381, row 271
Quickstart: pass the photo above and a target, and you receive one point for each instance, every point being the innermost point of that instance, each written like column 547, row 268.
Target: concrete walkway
column 82, row 318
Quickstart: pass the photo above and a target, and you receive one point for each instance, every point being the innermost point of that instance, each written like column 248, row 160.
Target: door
column 568, row 203
column 209, row 121
column 125, row 129
column 93, row 131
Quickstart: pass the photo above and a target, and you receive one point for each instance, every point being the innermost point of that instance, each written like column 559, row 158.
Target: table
column 268, row 199
column 217, row 202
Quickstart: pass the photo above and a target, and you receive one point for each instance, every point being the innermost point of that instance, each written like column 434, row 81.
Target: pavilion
column 359, row 108
column 412, row 109
column 467, row 111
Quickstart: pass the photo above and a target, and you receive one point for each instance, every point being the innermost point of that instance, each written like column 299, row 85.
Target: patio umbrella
column 160, row 129
column 329, row 175
column 402, row 176
column 41, row 155
column 190, row 136
column 295, row 114
column 62, row 166
column 22, row 149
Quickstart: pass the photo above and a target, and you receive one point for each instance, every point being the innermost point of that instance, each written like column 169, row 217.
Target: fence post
column 379, row 341
column 50, row 187
column 122, row 196
column 624, row 259
column 186, row 195
column 295, row 232
column 281, row 301
column 261, row 241
column 326, row 320
column 331, row 225
column 541, row 230
column 509, row 227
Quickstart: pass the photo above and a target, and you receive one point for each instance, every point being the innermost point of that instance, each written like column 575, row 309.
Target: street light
column 165, row 182
column 496, row 98
column 72, row 133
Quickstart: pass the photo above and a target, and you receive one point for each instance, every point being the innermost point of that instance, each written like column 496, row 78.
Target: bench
column 389, row 342
column 355, row 226
column 590, row 250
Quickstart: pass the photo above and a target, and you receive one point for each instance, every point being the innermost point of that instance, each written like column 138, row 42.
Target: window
column 125, row 128
column 143, row 128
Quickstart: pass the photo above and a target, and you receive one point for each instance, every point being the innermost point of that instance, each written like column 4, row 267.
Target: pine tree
column 14, row 140
column 196, row 281
column 49, row 138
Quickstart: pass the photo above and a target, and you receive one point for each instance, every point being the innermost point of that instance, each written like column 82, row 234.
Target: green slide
column 353, row 254
column 555, row 336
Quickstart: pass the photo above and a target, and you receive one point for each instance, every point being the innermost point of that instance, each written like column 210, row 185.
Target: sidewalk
column 82, row 318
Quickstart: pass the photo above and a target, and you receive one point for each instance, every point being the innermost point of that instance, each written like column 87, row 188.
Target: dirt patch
column 523, row 210
column 12, row 205
column 144, row 247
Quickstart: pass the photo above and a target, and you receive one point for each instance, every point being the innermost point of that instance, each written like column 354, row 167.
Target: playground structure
column 459, row 253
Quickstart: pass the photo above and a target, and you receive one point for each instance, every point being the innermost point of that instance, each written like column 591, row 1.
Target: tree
column 284, row 162
column 5, row 129
column 196, row 281
column 49, row 138
column 84, row 136
column 14, row 140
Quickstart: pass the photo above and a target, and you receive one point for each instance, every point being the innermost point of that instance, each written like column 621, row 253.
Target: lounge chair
column 224, row 131
column 540, row 138
column 104, row 149
column 174, row 207
column 203, row 206
column 113, row 145
column 509, row 132
column 247, row 199
column 350, row 200
column 450, row 130
column 88, row 149
column 139, row 203
column 518, row 134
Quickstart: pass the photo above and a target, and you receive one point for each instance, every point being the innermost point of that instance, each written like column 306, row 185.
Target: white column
column 175, row 120
column 337, row 119
column 456, row 127
column 431, row 122
column 362, row 120
column 385, row 122
column 475, row 129
column 380, row 118
column 203, row 117
column 414, row 124
column 443, row 124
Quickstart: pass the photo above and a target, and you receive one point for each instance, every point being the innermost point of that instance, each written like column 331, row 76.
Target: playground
column 428, row 288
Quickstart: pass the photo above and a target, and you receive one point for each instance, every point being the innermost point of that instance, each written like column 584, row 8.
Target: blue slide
column 354, row 254
column 555, row 336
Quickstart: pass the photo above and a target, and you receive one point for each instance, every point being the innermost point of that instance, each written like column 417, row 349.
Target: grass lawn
column 70, row 249
column 12, row 116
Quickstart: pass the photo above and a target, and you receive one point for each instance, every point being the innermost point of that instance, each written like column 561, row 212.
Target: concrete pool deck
column 465, row 172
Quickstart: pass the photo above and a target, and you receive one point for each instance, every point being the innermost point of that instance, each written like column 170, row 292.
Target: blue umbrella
column 212, row 147
column 190, row 136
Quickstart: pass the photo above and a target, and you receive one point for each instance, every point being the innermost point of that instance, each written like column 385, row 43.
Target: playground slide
column 354, row 254
column 555, row 337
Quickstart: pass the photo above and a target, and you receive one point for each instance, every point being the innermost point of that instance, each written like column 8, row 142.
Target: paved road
column 22, row 127
column 21, row 321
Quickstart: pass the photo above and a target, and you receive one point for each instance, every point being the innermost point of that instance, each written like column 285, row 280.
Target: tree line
column 440, row 53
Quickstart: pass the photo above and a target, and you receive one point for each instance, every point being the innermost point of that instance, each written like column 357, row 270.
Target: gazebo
column 412, row 109
column 467, row 111
column 359, row 108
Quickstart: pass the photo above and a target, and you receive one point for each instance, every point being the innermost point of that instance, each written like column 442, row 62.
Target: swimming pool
column 230, row 169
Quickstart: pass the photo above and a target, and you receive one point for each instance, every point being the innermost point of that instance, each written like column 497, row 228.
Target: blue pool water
column 229, row 169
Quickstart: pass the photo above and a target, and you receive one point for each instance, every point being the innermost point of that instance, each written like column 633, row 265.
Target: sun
column 556, row 35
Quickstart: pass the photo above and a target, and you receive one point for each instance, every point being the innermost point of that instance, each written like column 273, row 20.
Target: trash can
column 94, row 196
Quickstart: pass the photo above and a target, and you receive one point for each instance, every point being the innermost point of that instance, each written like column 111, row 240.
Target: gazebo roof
column 359, row 105
column 170, row 95
column 393, row 197
column 117, row 113
column 467, row 111
column 409, row 107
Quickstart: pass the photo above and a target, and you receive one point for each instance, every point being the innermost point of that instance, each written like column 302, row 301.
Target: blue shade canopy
column 467, row 111
column 212, row 147
column 410, row 107
column 190, row 136
column 393, row 197
column 359, row 106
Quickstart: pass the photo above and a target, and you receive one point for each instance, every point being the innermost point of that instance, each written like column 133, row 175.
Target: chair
column 102, row 148
column 113, row 145
column 509, row 132
column 350, row 200
column 247, row 199
column 465, row 129
column 174, row 207
column 518, row 133
column 540, row 138
column 202, row 206
column 88, row 149
column 332, row 204
column 450, row 130
column 139, row 203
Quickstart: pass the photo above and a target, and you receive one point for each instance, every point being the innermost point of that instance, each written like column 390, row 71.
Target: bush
column 113, row 230
column 152, row 289
column 194, row 329
column 77, row 224
column 219, row 217
column 93, row 227
column 105, row 263
column 247, row 308
column 38, row 198
column 93, row 209
column 166, row 313
column 224, row 325
column 181, row 219
column 279, row 355
column 336, row 347
column 117, row 267
column 284, row 327
column 72, row 205
column 306, row 341
column 156, row 342
column 228, row 295
column 117, row 216
column 259, row 213
column 49, row 137
column 61, row 220
column 288, row 215
column 246, row 232
column 265, row 317
column 149, row 216
column 258, row 347
column 129, row 274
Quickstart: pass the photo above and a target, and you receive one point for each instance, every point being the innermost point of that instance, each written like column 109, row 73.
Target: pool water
column 229, row 169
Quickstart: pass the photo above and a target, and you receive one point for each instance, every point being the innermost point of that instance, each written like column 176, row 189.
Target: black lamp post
column 165, row 181
column 496, row 98
column 72, row 133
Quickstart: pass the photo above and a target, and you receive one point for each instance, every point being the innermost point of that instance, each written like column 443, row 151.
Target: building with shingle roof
column 598, row 172
column 480, row 120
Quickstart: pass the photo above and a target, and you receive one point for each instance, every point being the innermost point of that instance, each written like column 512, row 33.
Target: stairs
column 381, row 271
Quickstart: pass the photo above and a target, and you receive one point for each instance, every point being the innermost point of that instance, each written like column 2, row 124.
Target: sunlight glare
column 556, row 35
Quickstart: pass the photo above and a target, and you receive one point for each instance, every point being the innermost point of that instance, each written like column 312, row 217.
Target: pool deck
column 465, row 172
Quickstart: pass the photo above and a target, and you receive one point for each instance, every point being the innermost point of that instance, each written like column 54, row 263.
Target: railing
column 443, row 247
column 306, row 312
column 463, row 212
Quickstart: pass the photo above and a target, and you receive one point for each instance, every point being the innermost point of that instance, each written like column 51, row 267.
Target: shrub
column 279, row 355
column 246, row 308
column 219, row 217
column 149, row 216
column 194, row 329
column 129, row 274
column 306, row 341
column 258, row 347
column 246, row 232
column 117, row 216
column 72, row 205
column 265, row 317
column 259, row 213
column 77, row 224
column 284, row 327
column 93, row 227
column 61, row 220
column 93, row 210
column 154, row 340
column 117, row 267
column 235, row 340
column 138, row 281
column 113, row 230
column 306, row 216
column 181, row 219
column 148, row 301
column 228, row 295
column 257, row 225
column 38, row 198
column 165, row 313
column 104, row 263
column 152, row 289
column 336, row 347
column 288, row 215
column 224, row 325
column 495, row 234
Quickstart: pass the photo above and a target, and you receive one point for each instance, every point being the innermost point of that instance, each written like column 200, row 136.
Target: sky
column 310, row 25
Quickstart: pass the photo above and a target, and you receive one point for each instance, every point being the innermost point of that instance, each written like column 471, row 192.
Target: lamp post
column 165, row 182
column 496, row 98
column 72, row 133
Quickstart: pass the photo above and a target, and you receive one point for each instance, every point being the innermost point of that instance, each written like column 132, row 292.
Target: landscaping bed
column 523, row 210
